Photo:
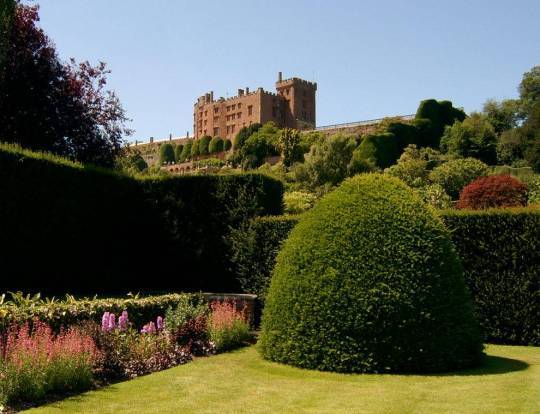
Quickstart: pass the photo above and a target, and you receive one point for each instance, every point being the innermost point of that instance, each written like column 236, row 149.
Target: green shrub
column 216, row 145
column 186, row 151
column 204, row 143
column 368, row 281
column 381, row 149
column 166, row 154
column 500, row 252
column 186, row 321
column 227, row 145
column 195, row 149
column 435, row 196
column 95, row 231
column 298, row 201
column 498, row 248
column 178, row 153
column 456, row 174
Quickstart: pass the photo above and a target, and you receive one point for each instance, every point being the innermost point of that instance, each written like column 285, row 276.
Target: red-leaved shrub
column 493, row 191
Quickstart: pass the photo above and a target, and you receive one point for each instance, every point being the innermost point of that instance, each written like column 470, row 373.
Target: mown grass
column 242, row 382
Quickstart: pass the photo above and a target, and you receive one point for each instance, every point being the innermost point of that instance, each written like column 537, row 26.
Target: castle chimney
column 211, row 96
column 240, row 92
column 151, row 140
column 247, row 91
column 170, row 137
column 279, row 76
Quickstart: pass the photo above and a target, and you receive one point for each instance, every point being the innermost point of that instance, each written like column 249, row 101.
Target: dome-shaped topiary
column 369, row 281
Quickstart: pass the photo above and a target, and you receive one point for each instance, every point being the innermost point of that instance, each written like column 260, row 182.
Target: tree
column 260, row 144
column 414, row 165
column 131, row 162
column 432, row 117
column 380, row 149
column 178, row 152
column 503, row 115
column 166, row 154
column 204, row 142
column 244, row 134
column 289, row 146
column 474, row 137
column 529, row 89
column 227, row 145
column 216, row 145
column 186, row 151
column 327, row 163
column 7, row 13
column 53, row 106
column 195, row 149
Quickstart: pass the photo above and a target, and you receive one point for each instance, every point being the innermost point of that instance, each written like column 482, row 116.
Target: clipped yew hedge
column 369, row 281
column 499, row 250
column 69, row 227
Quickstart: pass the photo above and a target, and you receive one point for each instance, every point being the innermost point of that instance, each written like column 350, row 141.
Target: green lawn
column 241, row 382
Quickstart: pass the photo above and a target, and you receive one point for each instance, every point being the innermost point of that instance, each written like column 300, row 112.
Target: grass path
column 241, row 382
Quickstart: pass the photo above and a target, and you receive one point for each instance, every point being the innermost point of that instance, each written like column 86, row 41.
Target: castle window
column 205, row 122
column 250, row 110
column 239, row 105
column 233, row 116
column 232, row 128
column 216, row 131
column 205, row 113
column 233, row 107
column 216, row 109
column 239, row 115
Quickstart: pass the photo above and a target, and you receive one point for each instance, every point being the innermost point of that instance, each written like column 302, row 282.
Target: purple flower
column 149, row 328
column 123, row 321
column 105, row 322
column 159, row 323
column 112, row 321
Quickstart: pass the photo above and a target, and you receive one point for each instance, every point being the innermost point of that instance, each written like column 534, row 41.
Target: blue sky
column 370, row 58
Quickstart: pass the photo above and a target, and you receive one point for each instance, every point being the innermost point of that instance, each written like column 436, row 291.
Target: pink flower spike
column 112, row 321
column 159, row 323
column 105, row 322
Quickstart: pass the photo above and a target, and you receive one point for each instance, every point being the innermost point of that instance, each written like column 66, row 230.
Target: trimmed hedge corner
column 499, row 250
column 368, row 281
column 86, row 230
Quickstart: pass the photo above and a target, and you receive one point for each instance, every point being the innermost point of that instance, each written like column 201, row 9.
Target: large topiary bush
column 369, row 281
column 456, row 174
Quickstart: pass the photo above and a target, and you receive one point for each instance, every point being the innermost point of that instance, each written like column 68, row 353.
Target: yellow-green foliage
column 369, row 281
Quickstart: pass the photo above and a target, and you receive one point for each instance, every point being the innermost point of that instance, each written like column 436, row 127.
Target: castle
column 292, row 106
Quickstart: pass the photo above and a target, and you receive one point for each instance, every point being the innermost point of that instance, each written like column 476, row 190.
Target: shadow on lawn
column 491, row 365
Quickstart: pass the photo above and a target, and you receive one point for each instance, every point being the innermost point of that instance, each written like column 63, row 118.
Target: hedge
column 72, row 311
column 499, row 250
column 64, row 226
column 369, row 281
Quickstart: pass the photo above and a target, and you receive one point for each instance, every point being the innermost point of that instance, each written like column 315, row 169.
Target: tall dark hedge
column 369, row 281
column 499, row 251
column 68, row 227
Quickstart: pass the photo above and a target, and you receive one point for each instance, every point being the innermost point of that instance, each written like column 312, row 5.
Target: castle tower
column 299, row 96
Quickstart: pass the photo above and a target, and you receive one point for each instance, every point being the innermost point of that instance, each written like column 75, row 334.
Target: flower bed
column 36, row 360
